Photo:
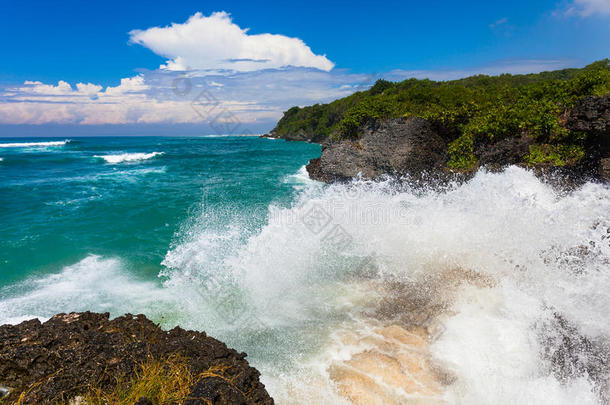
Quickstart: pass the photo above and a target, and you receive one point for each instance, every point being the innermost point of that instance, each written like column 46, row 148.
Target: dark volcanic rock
column 396, row 146
column 509, row 151
column 59, row 359
column 590, row 114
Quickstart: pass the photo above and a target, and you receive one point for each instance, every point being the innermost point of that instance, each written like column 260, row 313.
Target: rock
column 604, row 169
column 572, row 355
column 403, row 146
column 509, row 151
column 299, row 136
column 590, row 114
column 269, row 136
column 144, row 401
column 57, row 360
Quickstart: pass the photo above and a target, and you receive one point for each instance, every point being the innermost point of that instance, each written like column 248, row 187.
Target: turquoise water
column 61, row 203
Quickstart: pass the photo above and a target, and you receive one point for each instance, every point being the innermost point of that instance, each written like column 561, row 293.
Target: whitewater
column 127, row 157
column 493, row 291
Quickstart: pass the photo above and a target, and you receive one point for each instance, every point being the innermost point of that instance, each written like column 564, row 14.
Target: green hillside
column 465, row 111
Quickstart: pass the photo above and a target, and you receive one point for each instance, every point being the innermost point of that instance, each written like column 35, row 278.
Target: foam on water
column 33, row 144
column 127, row 157
column 92, row 284
column 480, row 270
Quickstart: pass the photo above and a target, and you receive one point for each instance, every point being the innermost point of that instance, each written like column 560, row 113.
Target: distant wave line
column 31, row 144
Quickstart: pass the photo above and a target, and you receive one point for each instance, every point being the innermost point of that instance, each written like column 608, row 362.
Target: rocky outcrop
column 396, row 146
column 299, row 136
column 592, row 116
column 56, row 361
column 412, row 146
column 509, row 151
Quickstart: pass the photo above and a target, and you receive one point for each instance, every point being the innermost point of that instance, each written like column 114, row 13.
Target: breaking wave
column 128, row 157
column 494, row 291
column 378, row 293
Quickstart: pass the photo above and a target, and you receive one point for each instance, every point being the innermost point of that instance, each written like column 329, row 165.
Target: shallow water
column 369, row 292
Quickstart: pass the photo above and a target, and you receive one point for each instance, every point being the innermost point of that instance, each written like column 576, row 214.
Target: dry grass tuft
column 161, row 381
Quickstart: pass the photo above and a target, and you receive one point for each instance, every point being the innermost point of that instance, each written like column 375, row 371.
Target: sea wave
column 128, row 157
column 374, row 292
column 34, row 144
column 362, row 275
column 94, row 283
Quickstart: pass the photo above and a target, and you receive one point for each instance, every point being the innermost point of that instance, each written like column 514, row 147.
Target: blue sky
column 318, row 51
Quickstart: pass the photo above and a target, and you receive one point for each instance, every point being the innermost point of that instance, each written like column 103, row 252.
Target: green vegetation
column 478, row 109
column 556, row 155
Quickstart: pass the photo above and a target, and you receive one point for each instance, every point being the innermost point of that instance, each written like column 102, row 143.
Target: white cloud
column 228, row 102
column 128, row 85
column 216, row 43
column 244, row 98
column 588, row 8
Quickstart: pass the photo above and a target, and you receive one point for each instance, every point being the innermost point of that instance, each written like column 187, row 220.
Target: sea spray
column 478, row 272
column 509, row 227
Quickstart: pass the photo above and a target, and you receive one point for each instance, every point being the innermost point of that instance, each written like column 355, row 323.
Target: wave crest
column 128, row 157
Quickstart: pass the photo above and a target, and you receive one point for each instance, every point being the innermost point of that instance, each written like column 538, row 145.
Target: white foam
column 33, row 144
column 509, row 226
column 280, row 293
column 92, row 284
column 128, row 157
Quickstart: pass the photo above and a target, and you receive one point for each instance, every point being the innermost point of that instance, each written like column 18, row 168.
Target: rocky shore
column 73, row 356
column 414, row 147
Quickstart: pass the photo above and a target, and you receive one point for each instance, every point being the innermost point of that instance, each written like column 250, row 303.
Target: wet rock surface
column 56, row 361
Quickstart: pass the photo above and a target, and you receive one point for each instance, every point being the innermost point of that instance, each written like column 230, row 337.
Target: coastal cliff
column 552, row 122
column 89, row 358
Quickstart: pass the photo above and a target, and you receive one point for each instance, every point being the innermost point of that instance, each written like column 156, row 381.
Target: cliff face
column 396, row 146
column 71, row 355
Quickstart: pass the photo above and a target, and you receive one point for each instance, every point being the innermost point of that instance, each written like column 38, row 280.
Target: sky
column 159, row 67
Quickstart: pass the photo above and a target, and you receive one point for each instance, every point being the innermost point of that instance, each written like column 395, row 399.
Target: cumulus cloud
column 226, row 102
column 217, row 43
column 588, row 8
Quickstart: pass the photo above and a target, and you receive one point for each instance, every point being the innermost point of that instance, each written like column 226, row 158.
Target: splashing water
column 305, row 293
column 372, row 292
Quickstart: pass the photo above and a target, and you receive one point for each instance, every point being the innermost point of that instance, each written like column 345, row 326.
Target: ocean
column 338, row 293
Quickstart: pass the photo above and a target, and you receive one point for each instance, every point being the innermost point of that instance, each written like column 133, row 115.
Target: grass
column 161, row 381
column 164, row 381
